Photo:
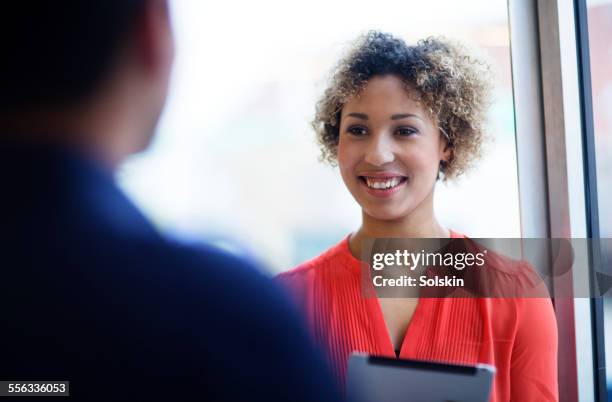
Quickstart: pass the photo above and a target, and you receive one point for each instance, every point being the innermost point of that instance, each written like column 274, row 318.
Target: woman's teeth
column 383, row 184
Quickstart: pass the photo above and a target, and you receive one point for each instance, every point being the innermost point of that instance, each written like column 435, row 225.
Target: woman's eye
column 406, row 131
column 358, row 131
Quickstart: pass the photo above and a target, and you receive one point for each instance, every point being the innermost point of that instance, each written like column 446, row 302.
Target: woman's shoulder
column 338, row 254
column 497, row 263
column 302, row 280
column 500, row 275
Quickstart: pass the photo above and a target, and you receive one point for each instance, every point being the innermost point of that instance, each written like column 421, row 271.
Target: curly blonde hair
column 452, row 85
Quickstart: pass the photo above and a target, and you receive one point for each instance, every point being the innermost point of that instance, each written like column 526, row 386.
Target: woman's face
column 389, row 150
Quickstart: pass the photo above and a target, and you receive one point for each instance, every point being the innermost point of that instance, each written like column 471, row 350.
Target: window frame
column 557, row 187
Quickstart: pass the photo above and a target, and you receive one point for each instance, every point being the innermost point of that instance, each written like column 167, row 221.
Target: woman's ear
column 446, row 148
column 448, row 152
column 445, row 154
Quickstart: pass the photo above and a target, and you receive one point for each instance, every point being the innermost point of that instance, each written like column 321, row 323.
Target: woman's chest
column 428, row 329
column 397, row 314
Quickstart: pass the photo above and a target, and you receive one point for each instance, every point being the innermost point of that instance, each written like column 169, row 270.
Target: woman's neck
column 419, row 224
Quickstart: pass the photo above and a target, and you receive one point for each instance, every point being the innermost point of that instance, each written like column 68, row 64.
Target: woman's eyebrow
column 404, row 115
column 399, row 116
column 361, row 116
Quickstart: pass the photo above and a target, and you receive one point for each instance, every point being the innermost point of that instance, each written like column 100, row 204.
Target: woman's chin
column 386, row 214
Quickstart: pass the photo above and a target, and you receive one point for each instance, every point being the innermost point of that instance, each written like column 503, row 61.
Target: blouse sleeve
column 534, row 355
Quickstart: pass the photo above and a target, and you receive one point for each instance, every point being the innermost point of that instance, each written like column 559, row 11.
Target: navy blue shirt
column 93, row 294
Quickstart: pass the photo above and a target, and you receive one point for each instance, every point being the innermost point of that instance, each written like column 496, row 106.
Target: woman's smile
column 382, row 184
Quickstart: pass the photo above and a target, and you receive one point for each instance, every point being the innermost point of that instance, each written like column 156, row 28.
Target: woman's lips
column 382, row 185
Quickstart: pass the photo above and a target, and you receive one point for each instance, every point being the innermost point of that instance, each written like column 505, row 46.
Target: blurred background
column 235, row 161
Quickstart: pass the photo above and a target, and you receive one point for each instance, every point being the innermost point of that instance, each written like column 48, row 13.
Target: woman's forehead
column 387, row 95
column 387, row 86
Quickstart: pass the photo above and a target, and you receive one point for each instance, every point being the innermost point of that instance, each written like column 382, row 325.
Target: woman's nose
column 379, row 151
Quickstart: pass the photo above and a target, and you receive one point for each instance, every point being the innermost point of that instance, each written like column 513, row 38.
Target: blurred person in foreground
column 91, row 292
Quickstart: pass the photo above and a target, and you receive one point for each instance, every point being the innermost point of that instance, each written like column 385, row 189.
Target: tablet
column 382, row 379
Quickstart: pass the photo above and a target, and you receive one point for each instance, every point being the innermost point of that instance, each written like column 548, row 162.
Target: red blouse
column 516, row 335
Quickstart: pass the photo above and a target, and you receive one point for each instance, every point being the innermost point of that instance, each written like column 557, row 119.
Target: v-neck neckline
column 377, row 318
column 381, row 330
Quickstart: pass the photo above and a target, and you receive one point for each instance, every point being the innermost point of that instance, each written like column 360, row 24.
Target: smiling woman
column 396, row 119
